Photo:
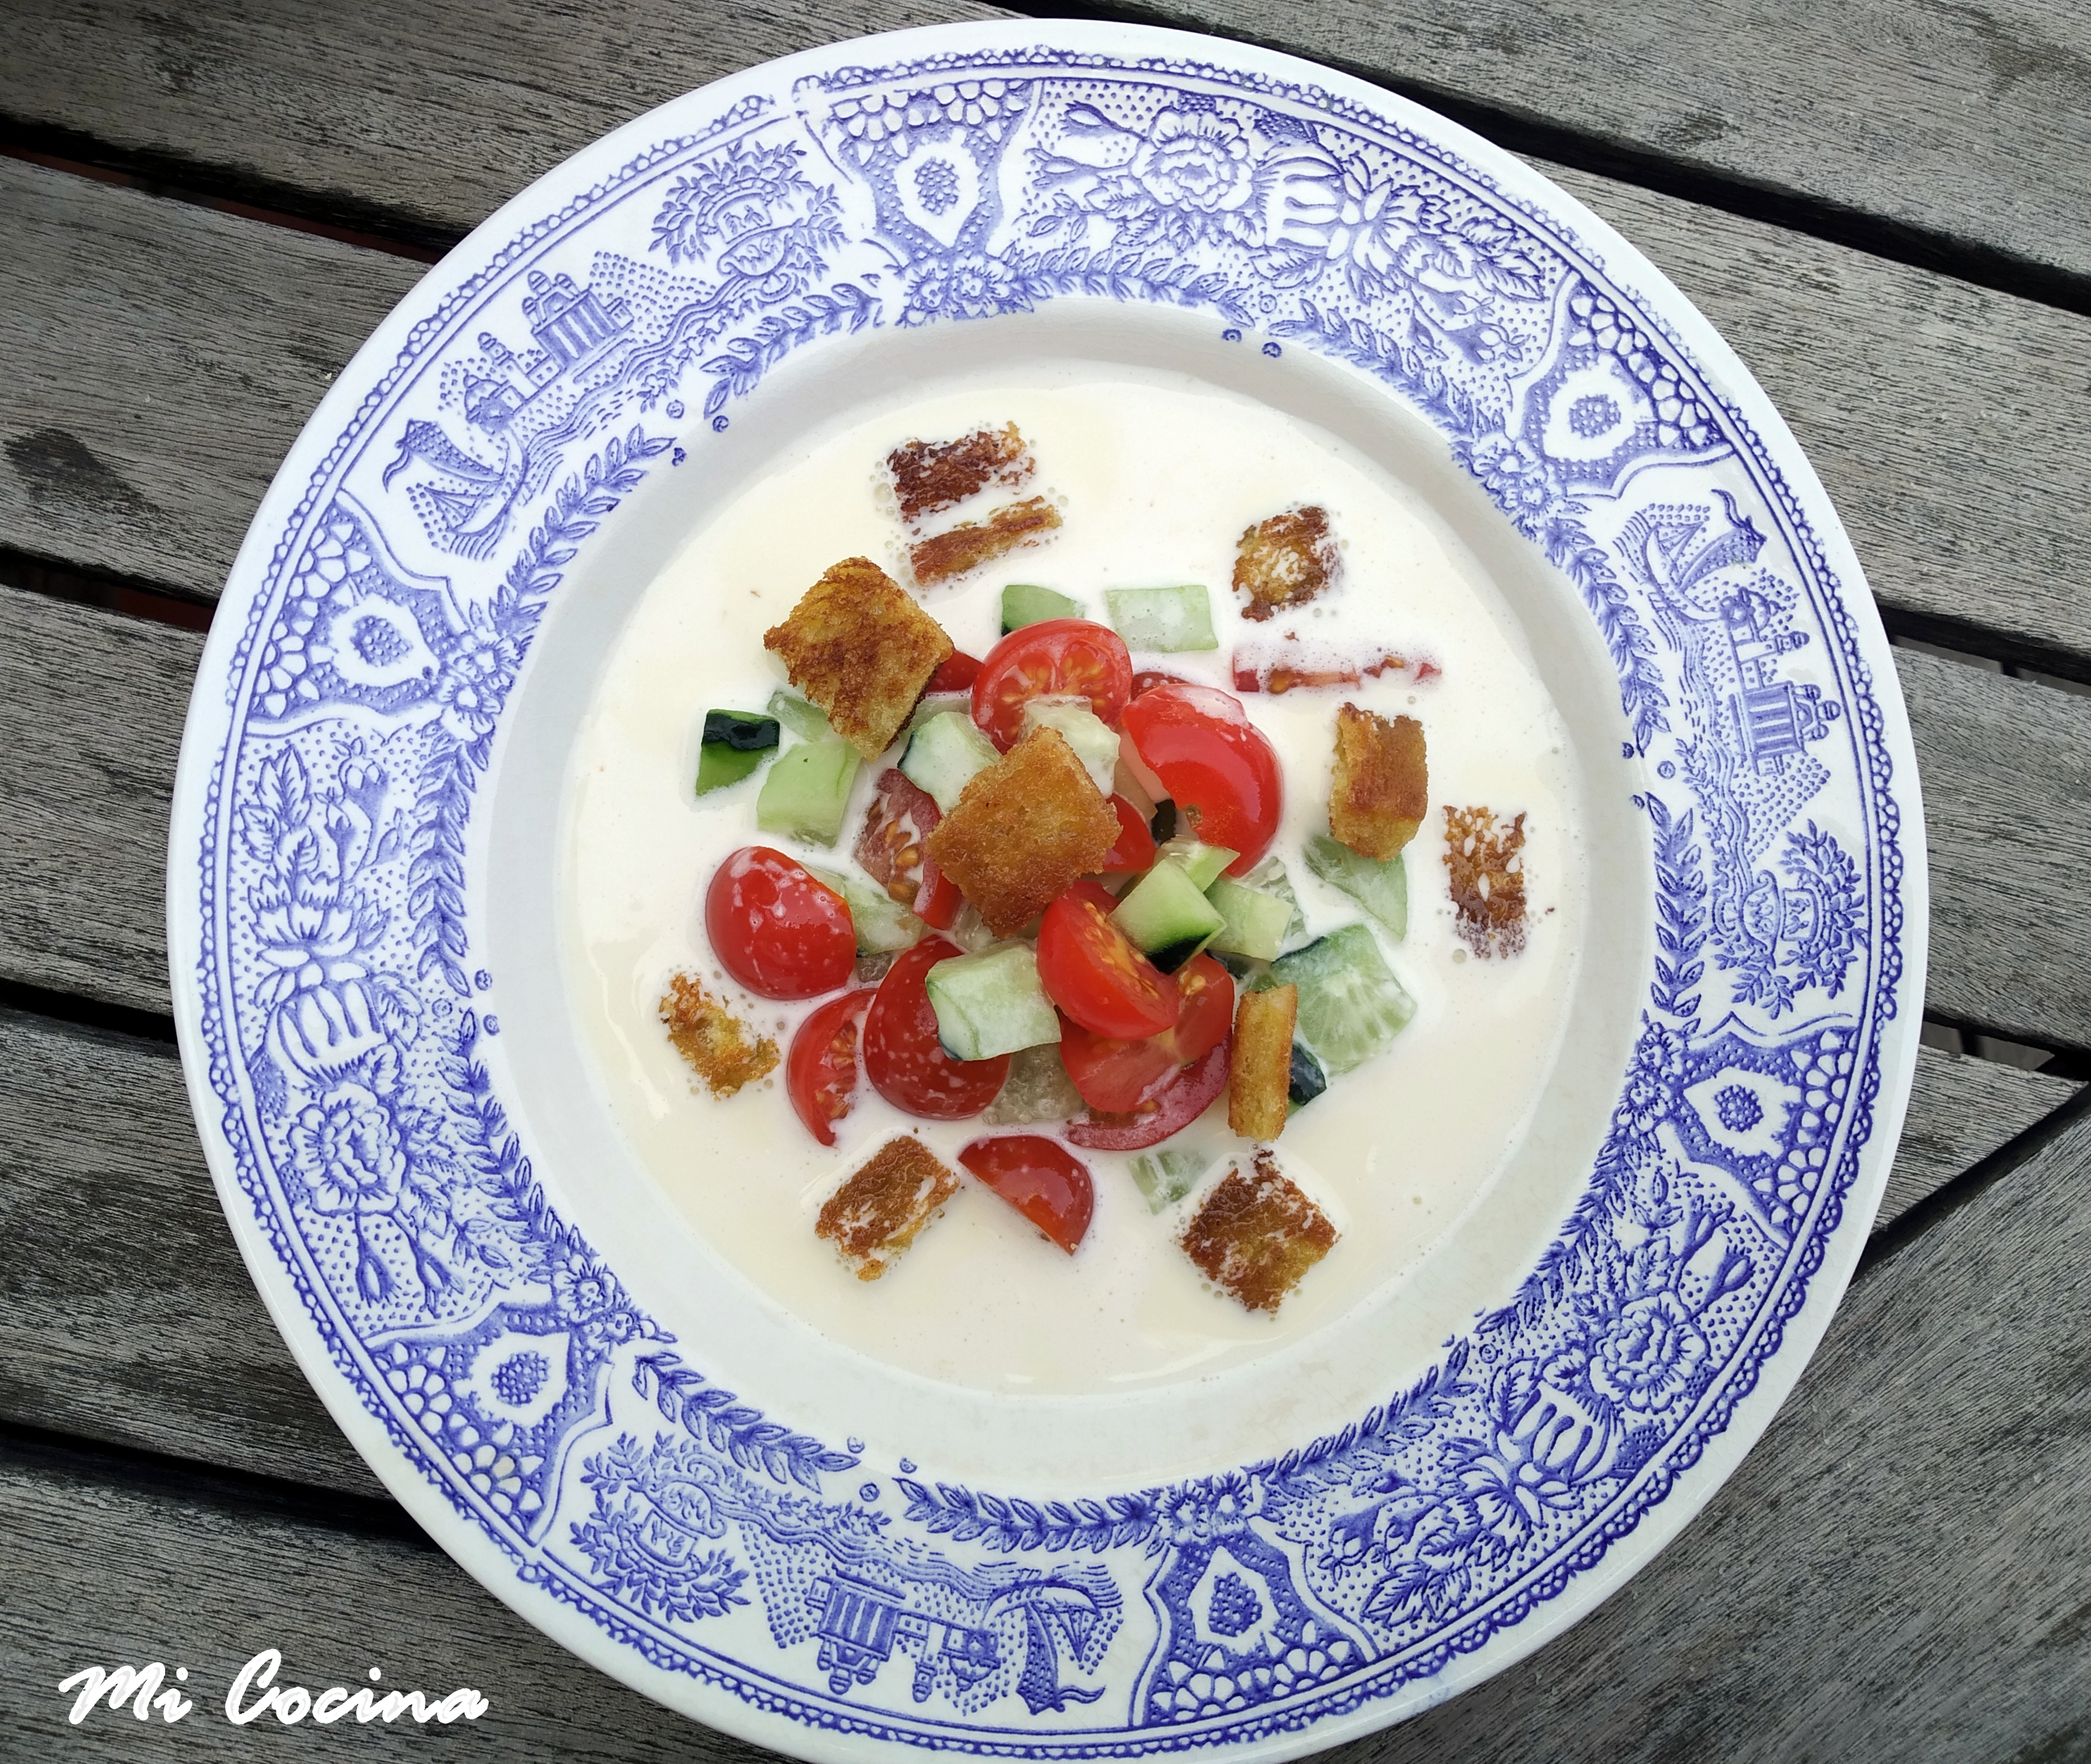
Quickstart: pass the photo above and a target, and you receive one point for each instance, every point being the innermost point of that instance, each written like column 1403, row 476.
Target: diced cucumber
column 806, row 793
column 991, row 1003
column 1203, row 863
column 734, row 743
column 945, row 754
column 1164, row 619
column 1380, row 889
column 1167, row 916
column 1269, row 877
column 1037, row 1088
column 1308, row 1080
column 1256, row 922
column 1165, row 1177
column 935, row 705
column 807, row 722
column 1351, row 1006
column 1095, row 741
column 1025, row 603
column 882, row 924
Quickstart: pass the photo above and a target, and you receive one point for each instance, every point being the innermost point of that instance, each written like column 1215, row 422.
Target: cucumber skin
column 991, row 1003
column 718, row 766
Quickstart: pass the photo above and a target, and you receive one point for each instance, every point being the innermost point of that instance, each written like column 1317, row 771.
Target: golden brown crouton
column 1285, row 561
column 931, row 476
column 1256, row 1236
column 861, row 650
column 1487, row 863
column 880, row 1211
column 1259, row 1072
column 1025, row 829
column 1383, row 787
column 712, row 1039
column 967, row 546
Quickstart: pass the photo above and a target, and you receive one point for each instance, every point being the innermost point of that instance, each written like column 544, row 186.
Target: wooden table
column 203, row 211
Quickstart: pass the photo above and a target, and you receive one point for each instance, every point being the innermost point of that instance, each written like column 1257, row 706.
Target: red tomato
column 820, row 1073
column 1114, row 1073
column 1135, row 849
column 1198, row 741
column 1149, row 678
column 778, row 931
column 1041, row 1178
column 906, row 1063
column 1097, row 976
column 1169, row 1105
column 956, row 674
column 891, row 848
column 1056, row 658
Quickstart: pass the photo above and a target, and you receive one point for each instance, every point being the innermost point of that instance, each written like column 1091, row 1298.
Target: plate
column 592, row 1413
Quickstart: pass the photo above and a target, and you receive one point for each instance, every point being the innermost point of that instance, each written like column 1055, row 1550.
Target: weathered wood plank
column 1899, row 1570
column 1960, row 1110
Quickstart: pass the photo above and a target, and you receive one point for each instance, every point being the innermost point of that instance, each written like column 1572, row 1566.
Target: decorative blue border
column 344, row 1019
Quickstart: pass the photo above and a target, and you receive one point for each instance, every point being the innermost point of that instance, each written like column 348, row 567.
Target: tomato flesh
column 955, row 674
column 1041, row 1178
column 892, row 848
column 1113, row 1073
column 1094, row 973
column 821, row 1071
column 774, row 928
column 1198, row 741
column 1134, row 852
column 1169, row 1105
column 906, row 1063
column 1056, row 658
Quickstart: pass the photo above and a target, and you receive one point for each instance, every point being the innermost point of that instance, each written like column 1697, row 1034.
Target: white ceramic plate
column 581, row 1404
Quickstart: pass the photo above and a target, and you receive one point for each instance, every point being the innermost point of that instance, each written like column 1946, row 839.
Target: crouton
column 882, row 1209
column 1260, row 1071
column 861, row 650
column 1383, row 787
column 714, row 1039
column 1285, row 561
column 1486, row 860
column 1025, row 830
column 969, row 546
column 929, row 477
column 1256, row 1235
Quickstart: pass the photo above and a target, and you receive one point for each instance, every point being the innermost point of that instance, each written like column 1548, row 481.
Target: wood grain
column 1857, row 1592
column 1960, row 1110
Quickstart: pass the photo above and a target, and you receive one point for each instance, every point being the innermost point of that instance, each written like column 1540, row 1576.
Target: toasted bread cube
column 1383, row 787
column 929, row 477
column 858, row 645
column 1260, row 1076
column 715, row 1041
column 1486, row 861
column 1286, row 561
column 882, row 1209
column 969, row 546
column 1025, row 830
column 1256, row 1235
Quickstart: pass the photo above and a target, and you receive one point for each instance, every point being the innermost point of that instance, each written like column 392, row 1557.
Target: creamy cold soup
column 1155, row 479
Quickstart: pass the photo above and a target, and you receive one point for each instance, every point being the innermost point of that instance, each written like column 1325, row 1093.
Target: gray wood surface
column 1858, row 1591
column 1960, row 1110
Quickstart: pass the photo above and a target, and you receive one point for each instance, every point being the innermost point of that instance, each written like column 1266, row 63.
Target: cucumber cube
column 882, row 924
column 1165, row 1177
column 945, row 754
column 734, row 743
column 806, row 793
column 1202, row 863
column 807, row 722
column 1164, row 619
column 1256, row 922
column 991, row 1003
column 1382, row 889
column 1095, row 741
column 1025, row 603
column 1350, row 1006
column 1167, row 916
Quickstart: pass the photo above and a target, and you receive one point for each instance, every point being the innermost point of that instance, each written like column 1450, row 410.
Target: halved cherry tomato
column 1056, row 658
column 891, row 848
column 906, row 1063
column 1171, row 1104
column 1113, row 1074
column 956, row 674
column 1149, row 678
column 1198, row 741
column 1135, row 849
column 1096, row 974
column 820, row 1073
column 775, row 929
column 1041, row 1178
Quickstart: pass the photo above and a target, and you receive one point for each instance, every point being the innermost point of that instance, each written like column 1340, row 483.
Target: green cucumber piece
column 1095, row 741
column 1167, row 916
column 1256, row 922
column 807, row 722
column 1308, row 1080
column 1269, row 877
column 1202, row 863
column 991, row 1003
column 1351, row 1006
column 1037, row 1088
column 734, row 743
column 1025, row 603
column 1380, row 889
column 882, row 924
column 1165, row 1177
column 806, row 793
column 1163, row 620
column 945, row 754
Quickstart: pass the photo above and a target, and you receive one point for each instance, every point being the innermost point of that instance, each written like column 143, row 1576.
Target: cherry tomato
column 956, row 674
column 1056, row 658
column 906, row 1063
column 820, row 1073
column 1149, row 678
column 1114, row 1073
column 1135, row 849
column 778, row 931
column 1041, row 1178
column 891, row 848
column 1097, row 976
column 1198, row 741
column 1171, row 1104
